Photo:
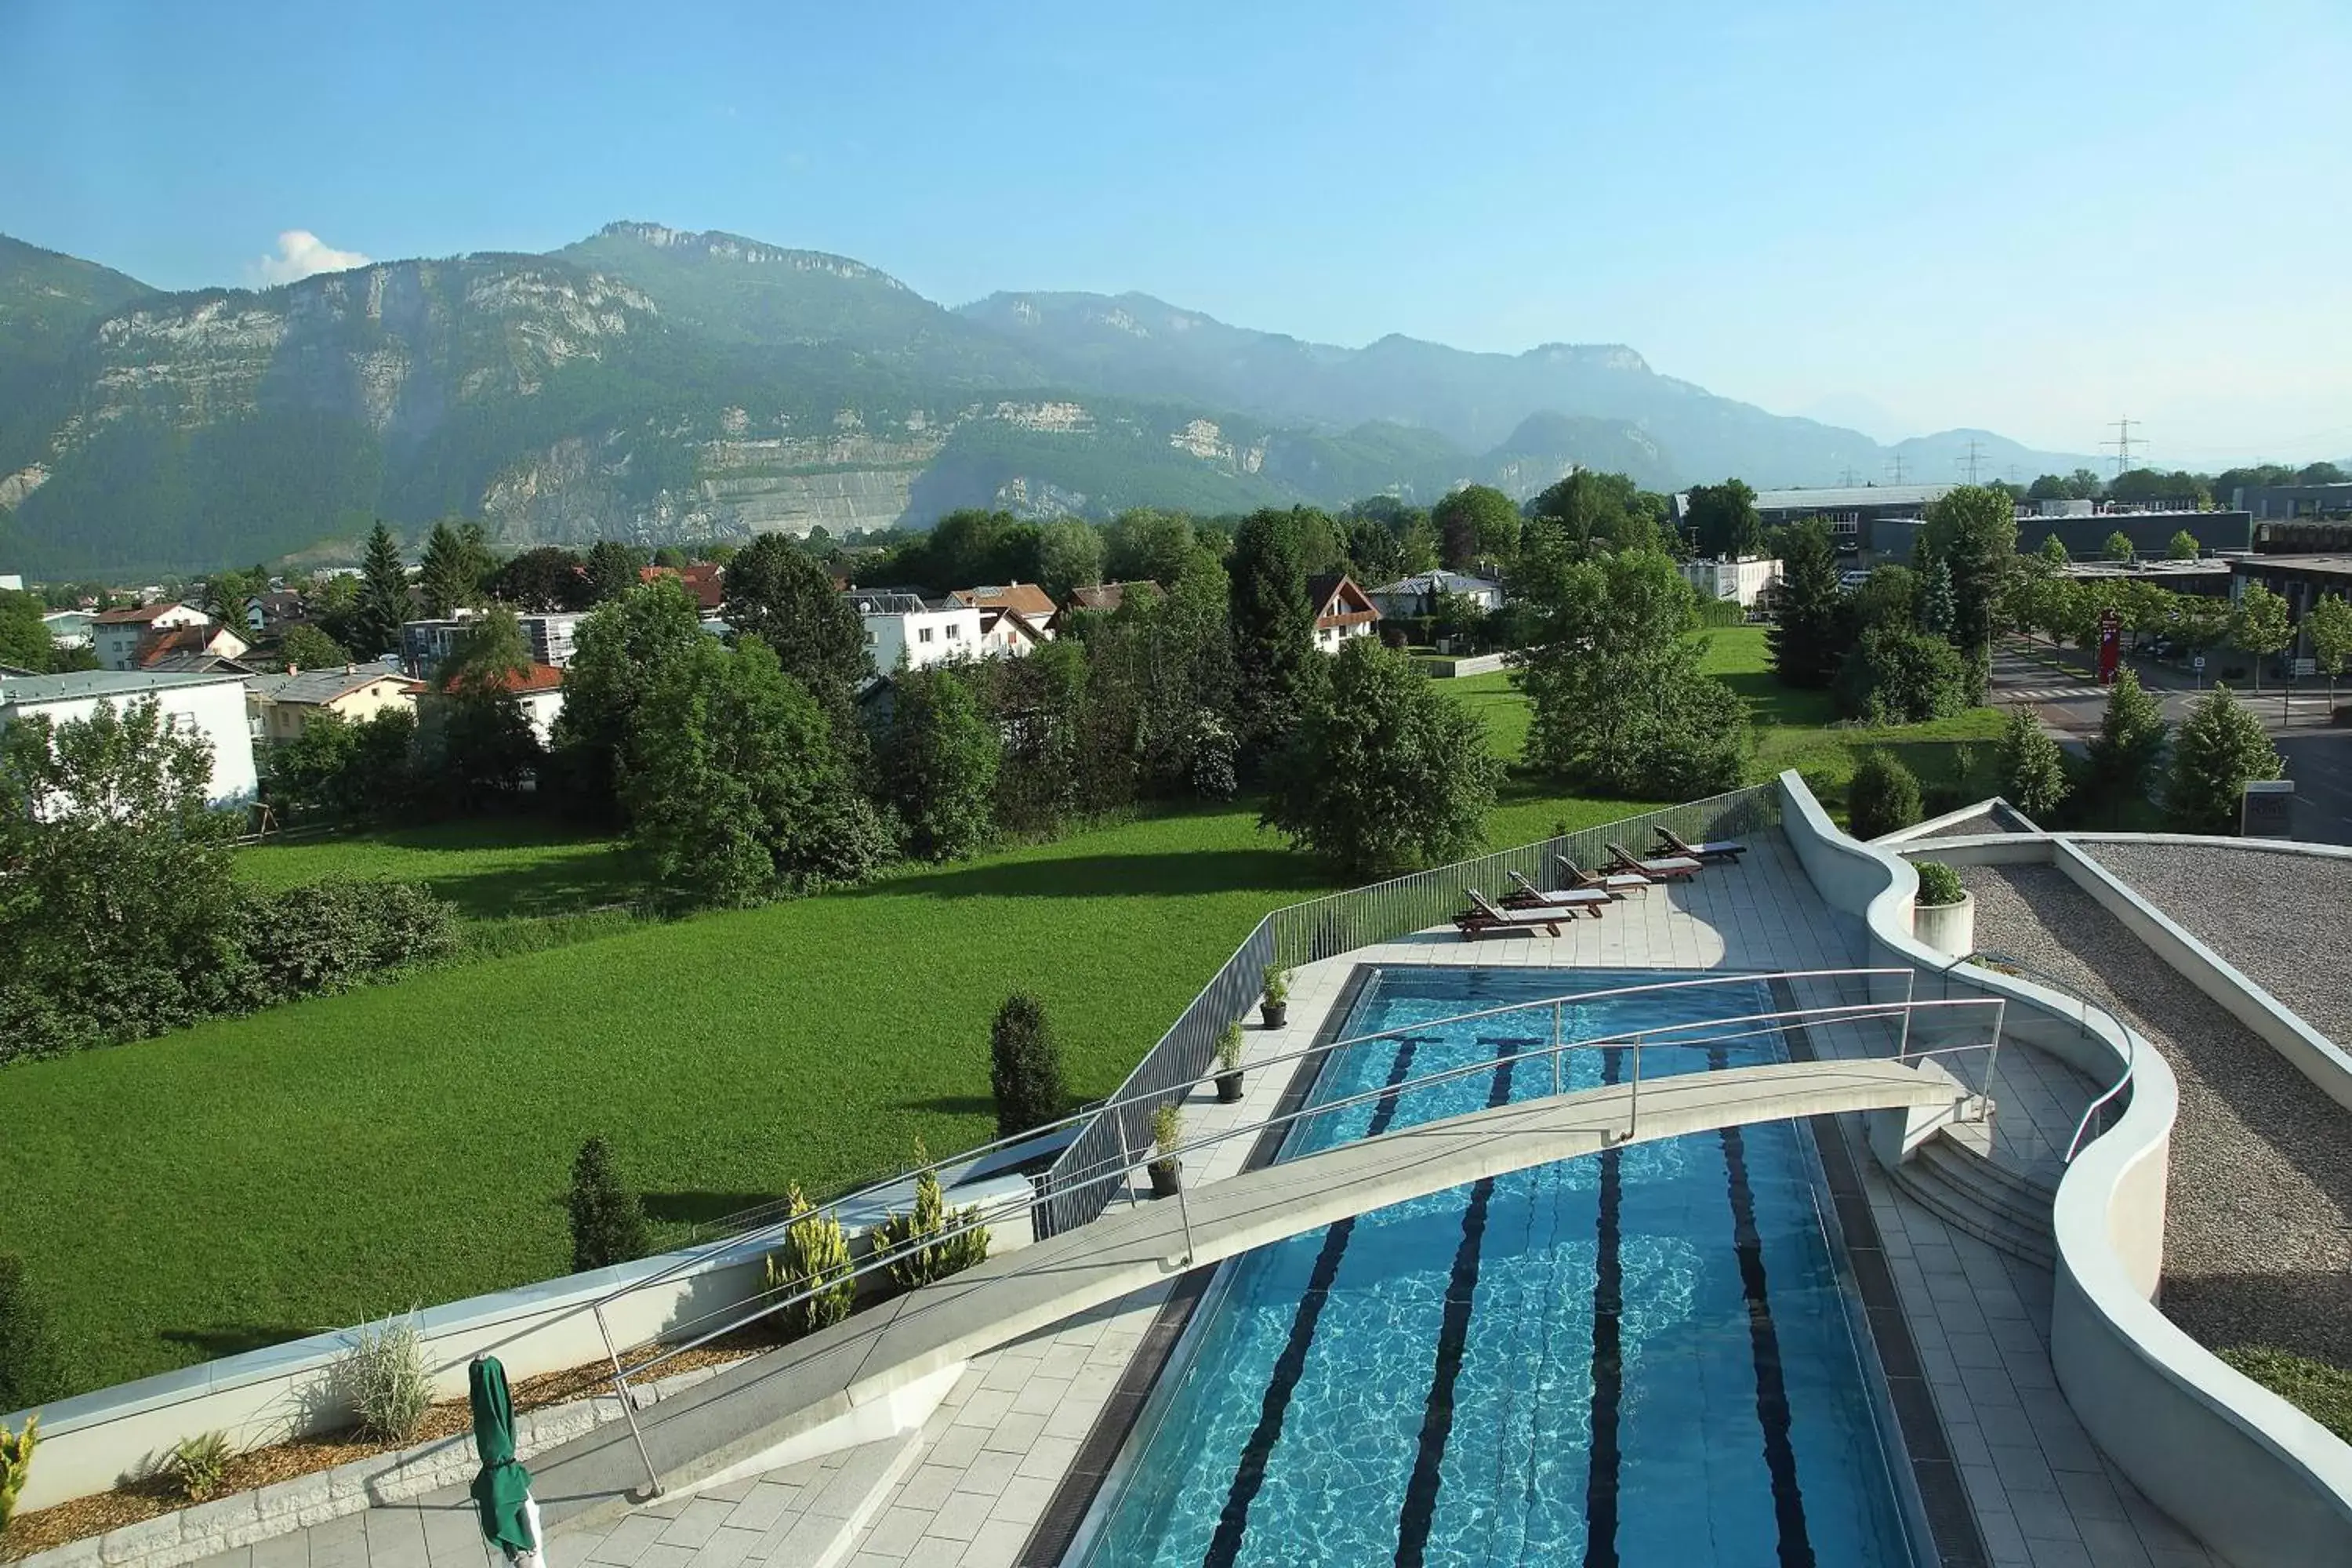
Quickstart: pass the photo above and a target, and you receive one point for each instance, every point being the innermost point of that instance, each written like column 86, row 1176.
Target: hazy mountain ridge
column 653, row 383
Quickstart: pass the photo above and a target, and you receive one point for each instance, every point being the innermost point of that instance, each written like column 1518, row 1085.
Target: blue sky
column 2034, row 218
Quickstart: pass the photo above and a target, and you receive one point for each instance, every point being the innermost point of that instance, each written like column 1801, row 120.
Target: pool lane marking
column 1764, row 1340
column 1453, row 1336
column 1605, row 1459
column 1275, row 1408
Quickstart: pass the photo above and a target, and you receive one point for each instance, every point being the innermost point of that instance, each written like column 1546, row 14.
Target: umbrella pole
column 628, row 1406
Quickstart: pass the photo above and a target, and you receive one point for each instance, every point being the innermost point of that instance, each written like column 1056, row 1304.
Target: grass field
column 258, row 1178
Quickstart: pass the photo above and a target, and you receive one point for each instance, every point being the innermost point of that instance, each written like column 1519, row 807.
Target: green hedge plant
column 16, row 1459
column 388, row 1385
column 916, row 1245
column 815, row 1256
column 1939, row 884
column 199, row 1465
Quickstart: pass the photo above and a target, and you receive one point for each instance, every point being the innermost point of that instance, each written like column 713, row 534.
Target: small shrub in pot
column 1939, row 884
column 1274, row 1010
column 1167, row 1135
column 1229, row 1064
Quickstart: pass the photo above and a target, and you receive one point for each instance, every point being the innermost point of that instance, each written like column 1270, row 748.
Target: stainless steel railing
column 1113, row 1176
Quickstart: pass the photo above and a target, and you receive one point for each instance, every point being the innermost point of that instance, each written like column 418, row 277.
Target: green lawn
column 256, row 1178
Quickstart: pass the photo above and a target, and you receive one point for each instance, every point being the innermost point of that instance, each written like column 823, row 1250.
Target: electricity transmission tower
column 1895, row 466
column 2123, row 445
column 1975, row 457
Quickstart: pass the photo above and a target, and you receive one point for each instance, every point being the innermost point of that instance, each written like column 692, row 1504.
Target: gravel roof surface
column 2285, row 921
column 2258, row 1226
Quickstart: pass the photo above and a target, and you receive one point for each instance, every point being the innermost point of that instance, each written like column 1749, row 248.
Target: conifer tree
column 384, row 601
column 1808, row 640
column 608, row 1224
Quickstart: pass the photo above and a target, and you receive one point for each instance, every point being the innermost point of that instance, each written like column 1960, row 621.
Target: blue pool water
column 1640, row 1358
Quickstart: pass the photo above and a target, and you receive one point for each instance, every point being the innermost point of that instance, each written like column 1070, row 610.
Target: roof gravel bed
column 2258, row 1226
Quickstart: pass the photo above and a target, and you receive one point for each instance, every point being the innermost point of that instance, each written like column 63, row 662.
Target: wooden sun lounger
column 1525, row 895
column 1662, row 868
column 1616, row 884
column 1671, row 843
column 1483, row 916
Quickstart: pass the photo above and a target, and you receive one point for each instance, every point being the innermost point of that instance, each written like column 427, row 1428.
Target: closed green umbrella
column 502, row 1488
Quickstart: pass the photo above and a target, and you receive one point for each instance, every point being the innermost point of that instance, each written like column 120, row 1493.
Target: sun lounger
column 1670, row 843
column 1616, row 884
column 1526, row 895
column 1658, row 868
column 1482, row 916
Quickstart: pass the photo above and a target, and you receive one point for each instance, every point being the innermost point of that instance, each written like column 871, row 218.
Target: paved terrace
column 975, row 1485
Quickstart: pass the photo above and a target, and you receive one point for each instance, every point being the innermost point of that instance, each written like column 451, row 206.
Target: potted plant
column 1167, row 1132
column 1229, row 1064
column 1274, row 1010
column 1944, row 915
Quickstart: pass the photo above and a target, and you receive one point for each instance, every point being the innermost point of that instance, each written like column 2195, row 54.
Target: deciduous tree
column 1386, row 772
column 2183, row 547
column 612, row 569
column 777, row 592
column 621, row 652
column 2220, row 748
column 1475, row 521
column 305, row 647
column 547, row 578
column 1069, row 555
column 939, row 765
column 1973, row 530
column 2328, row 623
column 2118, row 546
column 2259, row 625
column 1724, row 522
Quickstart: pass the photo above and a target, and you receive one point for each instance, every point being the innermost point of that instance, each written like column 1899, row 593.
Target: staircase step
column 1961, row 1205
column 1991, row 1186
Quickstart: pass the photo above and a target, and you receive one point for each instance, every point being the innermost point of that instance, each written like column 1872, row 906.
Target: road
column 2060, row 685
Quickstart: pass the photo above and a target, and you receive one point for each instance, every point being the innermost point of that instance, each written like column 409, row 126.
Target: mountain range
column 656, row 384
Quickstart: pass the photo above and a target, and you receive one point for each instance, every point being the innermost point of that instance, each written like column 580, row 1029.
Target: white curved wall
column 2258, row 1479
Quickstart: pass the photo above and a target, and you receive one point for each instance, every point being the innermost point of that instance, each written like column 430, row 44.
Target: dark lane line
column 1605, row 1460
column 1764, row 1338
column 1437, row 1421
column 1233, row 1523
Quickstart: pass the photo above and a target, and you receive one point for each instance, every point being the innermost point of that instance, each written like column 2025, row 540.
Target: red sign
column 2111, row 636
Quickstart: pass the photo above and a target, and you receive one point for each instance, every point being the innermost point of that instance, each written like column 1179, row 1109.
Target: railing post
column 1902, row 1044
column 1125, row 1162
column 1633, row 1111
column 1184, row 1214
column 1992, row 1057
column 628, row 1406
column 1555, row 1048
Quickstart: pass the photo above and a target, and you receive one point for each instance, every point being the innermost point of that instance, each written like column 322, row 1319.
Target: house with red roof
column 1342, row 610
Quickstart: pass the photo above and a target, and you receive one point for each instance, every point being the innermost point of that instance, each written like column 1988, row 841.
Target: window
column 182, row 721
column 954, row 631
column 872, row 636
column 923, row 635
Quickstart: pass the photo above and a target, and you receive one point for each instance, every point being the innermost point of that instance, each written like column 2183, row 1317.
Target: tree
column 1939, row 608
column 2053, row 551
column 2183, row 547
column 1619, row 702
column 2124, row 752
column 2118, row 546
column 939, row 765
column 1896, row 675
column 777, row 592
column 737, row 792
column 1473, row 521
column 307, row 647
column 1889, row 596
column 339, row 768
column 227, row 592
column 1147, row 546
column 608, row 1223
column 1808, row 640
column 454, row 568
column 1884, row 796
column 546, row 579
column 25, row 639
column 1275, row 664
column 383, row 603
column 1724, row 522
column 612, row 569
column 1973, row 530
column 2084, row 484
column 2221, row 749
column 1025, row 1066
column 482, row 741
column 620, row 652
column 1069, row 555
column 2032, row 768
column 2259, row 625
column 485, row 660
column 118, row 901
column 1386, row 772
column 2328, row 623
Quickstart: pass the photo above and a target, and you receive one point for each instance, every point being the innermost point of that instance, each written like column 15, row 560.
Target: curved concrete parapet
column 2258, row 1479
column 757, row 1405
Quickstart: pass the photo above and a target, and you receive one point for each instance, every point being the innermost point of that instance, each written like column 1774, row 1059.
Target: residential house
column 200, row 649
column 706, row 581
column 270, row 611
column 69, row 628
column 550, row 636
column 1342, row 611
column 1006, row 633
column 1417, row 595
column 538, row 690
column 1105, row 598
column 1747, row 581
column 905, row 625
column 283, row 706
column 1026, row 599
column 115, row 635
column 212, row 706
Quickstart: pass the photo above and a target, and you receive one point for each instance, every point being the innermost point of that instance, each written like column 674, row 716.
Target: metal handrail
column 2083, row 1000
column 980, row 1216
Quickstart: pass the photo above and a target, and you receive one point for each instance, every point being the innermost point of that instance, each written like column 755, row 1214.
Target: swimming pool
column 1640, row 1357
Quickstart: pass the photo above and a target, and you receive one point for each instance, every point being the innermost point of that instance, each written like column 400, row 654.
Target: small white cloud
column 301, row 254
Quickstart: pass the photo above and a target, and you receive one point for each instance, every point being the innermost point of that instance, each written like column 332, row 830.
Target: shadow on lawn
column 569, row 887
column 700, row 1207
column 1165, row 874
column 1770, row 702
column 951, row 1105
column 236, row 1339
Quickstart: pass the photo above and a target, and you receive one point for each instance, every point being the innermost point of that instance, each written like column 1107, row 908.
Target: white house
column 1745, row 580
column 537, row 692
column 69, row 628
column 117, row 635
column 212, row 706
column 904, row 626
column 1028, row 600
column 1417, row 595
column 1342, row 611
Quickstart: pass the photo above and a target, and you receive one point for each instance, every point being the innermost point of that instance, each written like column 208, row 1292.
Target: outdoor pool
column 1643, row 1357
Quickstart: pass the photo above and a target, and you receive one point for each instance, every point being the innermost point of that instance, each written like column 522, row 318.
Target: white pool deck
column 970, row 1486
